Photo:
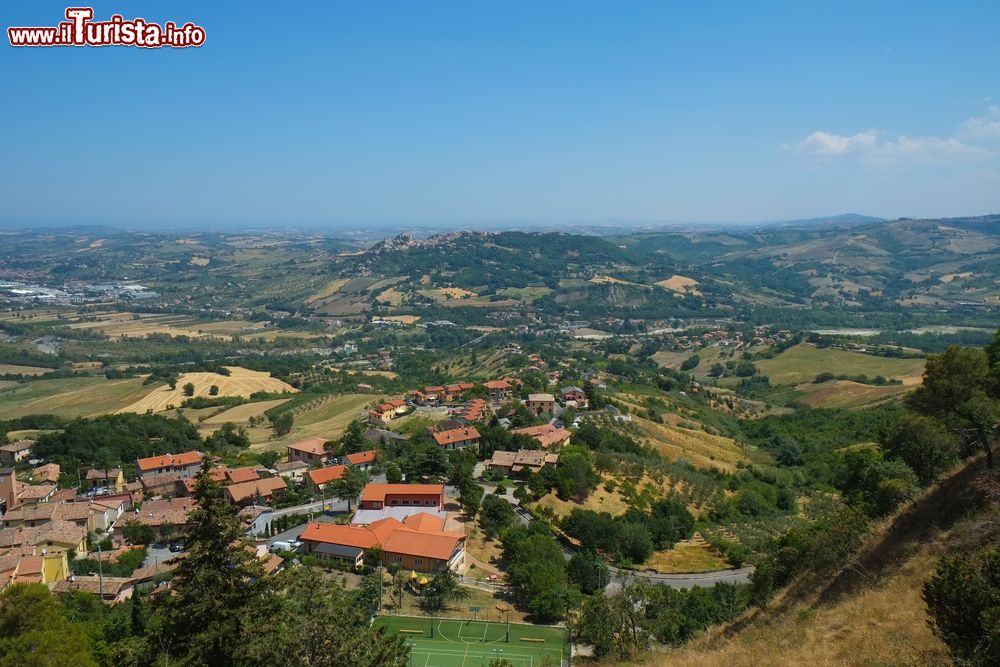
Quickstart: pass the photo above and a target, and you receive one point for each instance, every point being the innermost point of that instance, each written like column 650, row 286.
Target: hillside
column 872, row 612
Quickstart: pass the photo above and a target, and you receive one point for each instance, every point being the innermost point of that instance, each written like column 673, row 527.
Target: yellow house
column 111, row 479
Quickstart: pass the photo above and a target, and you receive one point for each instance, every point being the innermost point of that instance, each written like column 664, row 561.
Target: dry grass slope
column 240, row 382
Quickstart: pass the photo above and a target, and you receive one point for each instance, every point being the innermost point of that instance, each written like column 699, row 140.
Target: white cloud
column 987, row 125
column 825, row 143
column 922, row 150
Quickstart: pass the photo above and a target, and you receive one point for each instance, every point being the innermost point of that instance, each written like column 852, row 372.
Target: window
column 406, row 502
column 417, row 561
column 393, row 502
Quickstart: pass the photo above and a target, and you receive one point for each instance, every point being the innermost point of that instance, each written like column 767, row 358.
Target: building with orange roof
column 457, row 438
column 499, row 390
column 185, row 464
column 312, row 451
column 418, row 545
column 547, row 435
column 475, row 411
column 320, row 477
column 376, row 496
column 247, row 492
column 47, row 473
column 362, row 460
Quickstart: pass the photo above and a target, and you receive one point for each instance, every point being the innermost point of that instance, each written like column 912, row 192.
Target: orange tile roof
column 378, row 492
column 169, row 460
column 246, row 490
column 324, row 475
column 311, row 446
column 390, row 534
column 424, row 544
column 454, row 435
column 246, row 474
column 360, row 458
column 351, row 536
column 546, row 434
column 497, row 384
column 424, row 521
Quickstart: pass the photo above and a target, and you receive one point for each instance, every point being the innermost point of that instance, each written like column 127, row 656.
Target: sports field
column 457, row 643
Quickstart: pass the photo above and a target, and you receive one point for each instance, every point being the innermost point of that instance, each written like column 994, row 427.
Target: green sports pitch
column 469, row 643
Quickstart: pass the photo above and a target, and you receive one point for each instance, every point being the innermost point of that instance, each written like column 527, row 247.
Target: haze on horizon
column 543, row 112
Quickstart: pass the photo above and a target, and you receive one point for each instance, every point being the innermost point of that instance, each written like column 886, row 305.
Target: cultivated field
column 327, row 417
column 241, row 382
column 701, row 449
column 687, row 557
column 241, row 414
column 17, row 369
column 681, row 285
column 804, row 362
column 847, row 394
column 70, row 397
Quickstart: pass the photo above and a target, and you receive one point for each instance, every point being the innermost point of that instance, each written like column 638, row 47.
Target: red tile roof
column 324, row 475
column 455, row 435
column 237, row 493
column 361, row 458
column 378, row 492
column 315, row 446
column 169, row 461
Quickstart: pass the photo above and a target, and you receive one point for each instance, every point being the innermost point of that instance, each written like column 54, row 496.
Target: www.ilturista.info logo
column 81, row 30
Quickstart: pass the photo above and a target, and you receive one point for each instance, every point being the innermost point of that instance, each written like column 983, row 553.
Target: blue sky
column 369, row 112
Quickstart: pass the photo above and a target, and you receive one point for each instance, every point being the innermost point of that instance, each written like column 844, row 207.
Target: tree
column 575, row 474
column 442, row 589
column 924, row 444
column 618, row 625
column 471, row 498
column 34, row 631
column 218, row 595
column 315, row 621
column 495, row 515
column 137, row 613
column 282, row 423
column 189, row 389
column 353, row 439
column 588, row 571
column 350, row 485
column 536, row 571
column 393, row 474
column 137, row 533
column 690, row 363
column 213, row 390
column 963, row 599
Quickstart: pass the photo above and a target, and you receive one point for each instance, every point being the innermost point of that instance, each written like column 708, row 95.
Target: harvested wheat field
column 241, row 382
column 680, row 285
column 700, row 448
column 404, row 319
column 17, row 369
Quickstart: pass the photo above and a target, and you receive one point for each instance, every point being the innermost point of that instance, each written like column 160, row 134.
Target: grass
column 327, row 419
column 469, row 643
column 847, row 394
column 70, row 397
column 803, row 362
column 686, row 558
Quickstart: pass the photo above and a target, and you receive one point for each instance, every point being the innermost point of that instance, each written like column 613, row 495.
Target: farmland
column 803, row 362
column 241, row 382
column 70, row 397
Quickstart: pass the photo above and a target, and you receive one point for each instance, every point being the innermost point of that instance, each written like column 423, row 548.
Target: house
column 311, row 451
column 46, row 474
column 499, row 390
column 574, row 394
column 104, row 511
column 32, row 566
column 457, row 438
column 361, row 460
column 366, row 517
column 541, row 404
column 256, row 520
column 185, row 464
column 455, row 391
column 293, row 470
column 382, row 414
column 53, row 537
column 365, row 388
column 164, row 484
column 16, row 451
column 318, row 478
column 248, row 492
column 111, row 589
column 433, row 395
column 31, row 516
column 523, row 460
column 418, row 543
column 164, row 517
column 547, row 435
column 475, row 411
column 377, row 496
column 240, row 475
column 9, row 489
column 111, row 479
column 34, row 494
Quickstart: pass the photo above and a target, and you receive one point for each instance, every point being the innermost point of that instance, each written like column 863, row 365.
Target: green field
column 803, row 362
column 458, row 643
column 70, row 397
